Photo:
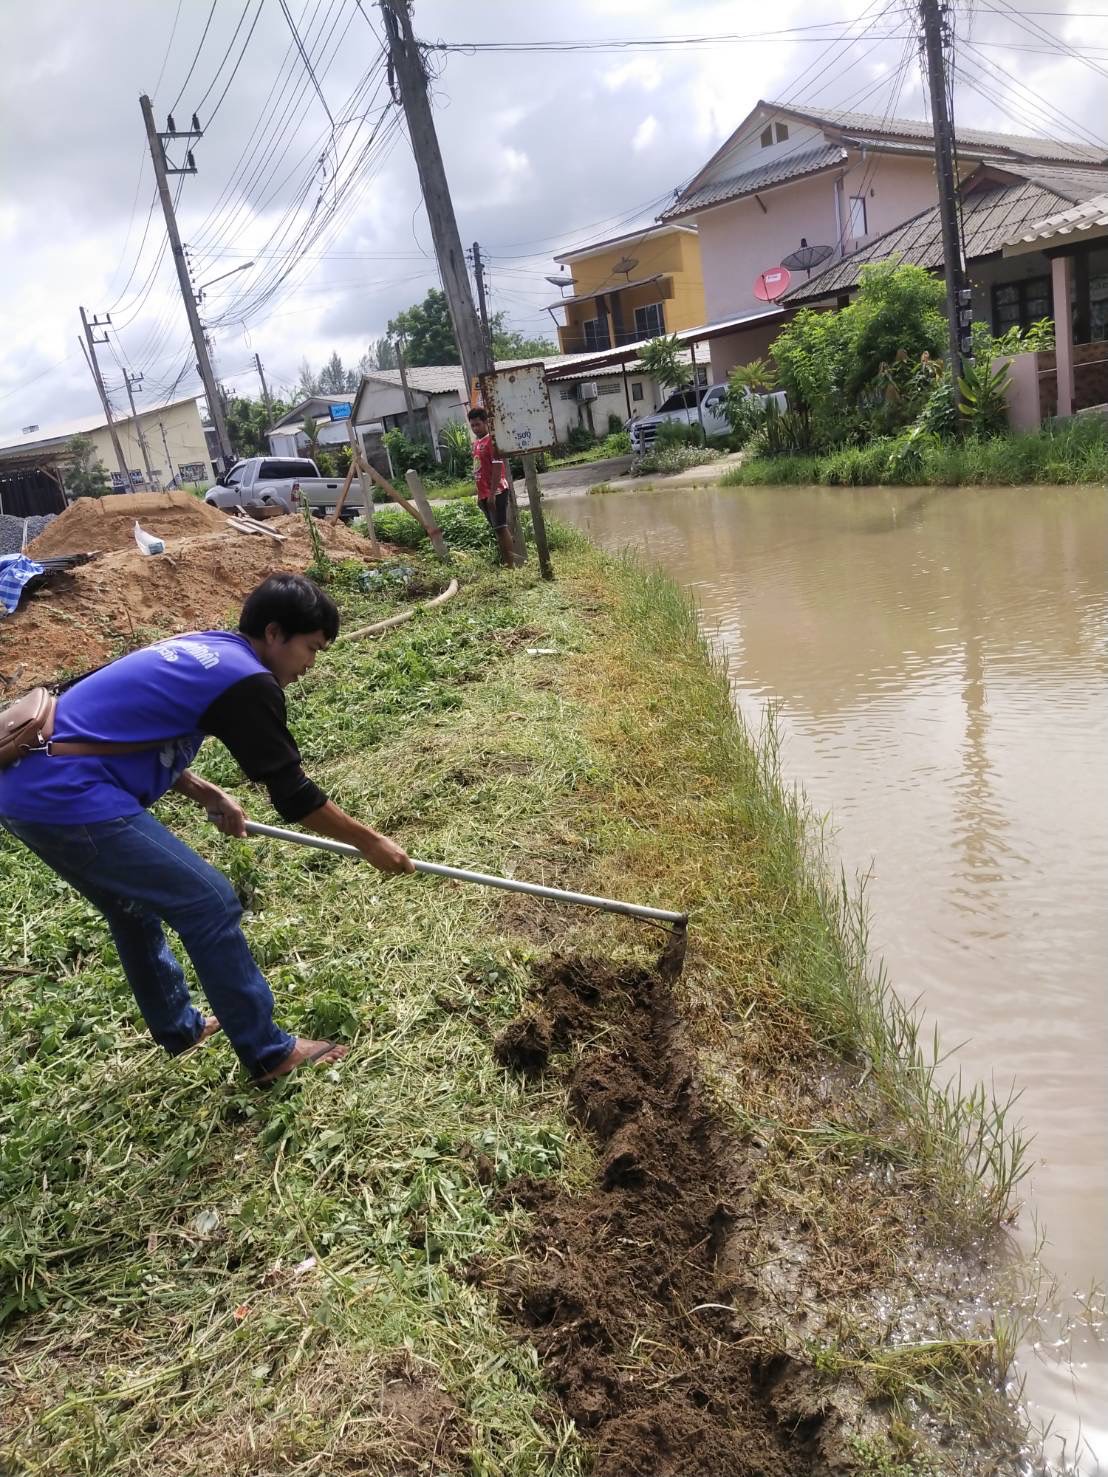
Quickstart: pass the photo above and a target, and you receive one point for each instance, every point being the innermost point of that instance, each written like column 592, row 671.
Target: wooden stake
column 343, row 493
column 538, row 522
column 419, row 497
column 367, row 491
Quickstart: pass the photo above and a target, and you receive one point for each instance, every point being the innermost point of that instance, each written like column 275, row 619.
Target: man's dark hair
column 293, row 602
column 478, row 413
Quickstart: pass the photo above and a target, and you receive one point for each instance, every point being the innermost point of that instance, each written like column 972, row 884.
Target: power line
column 223, row 60
column 196, row 57
column 304, row 58
column 235, row 69
column 168, row 47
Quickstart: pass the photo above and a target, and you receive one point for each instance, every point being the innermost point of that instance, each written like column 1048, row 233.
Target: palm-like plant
column 982, row 399
column 310, row 432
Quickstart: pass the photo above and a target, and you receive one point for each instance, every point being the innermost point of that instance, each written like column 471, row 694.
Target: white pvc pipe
column 484, row 879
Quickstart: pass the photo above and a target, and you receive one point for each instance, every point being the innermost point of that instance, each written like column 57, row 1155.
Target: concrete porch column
column 1061, row 281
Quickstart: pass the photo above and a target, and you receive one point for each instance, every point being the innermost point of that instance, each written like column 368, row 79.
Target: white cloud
column 644, row 134
column 643, row 70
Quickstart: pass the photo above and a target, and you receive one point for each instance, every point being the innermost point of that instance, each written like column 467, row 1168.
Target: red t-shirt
column 488, row 468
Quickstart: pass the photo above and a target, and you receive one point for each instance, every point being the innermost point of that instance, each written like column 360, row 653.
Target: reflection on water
column 940, row 661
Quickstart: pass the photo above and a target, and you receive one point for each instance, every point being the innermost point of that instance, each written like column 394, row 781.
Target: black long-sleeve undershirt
column 251, row 719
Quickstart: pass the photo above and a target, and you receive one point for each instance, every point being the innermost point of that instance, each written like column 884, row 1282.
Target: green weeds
column 1072, row 452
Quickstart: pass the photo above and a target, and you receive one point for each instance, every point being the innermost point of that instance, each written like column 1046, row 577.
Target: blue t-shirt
column 166, row 691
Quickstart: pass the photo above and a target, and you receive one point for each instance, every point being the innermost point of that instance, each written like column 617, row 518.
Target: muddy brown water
column 940, row 659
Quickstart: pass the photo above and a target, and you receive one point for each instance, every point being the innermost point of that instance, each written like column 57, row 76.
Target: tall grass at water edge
column 1076, row 452
column 964, row 1141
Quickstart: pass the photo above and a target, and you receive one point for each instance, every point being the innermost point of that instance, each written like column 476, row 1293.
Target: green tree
column 509, row 343
column 247, row 424
column 661, row 359
column 307, row 382
column 897, row 309
column 336, row 379
column 381, row 354
column 310, row 431
column 427, row 329
column 85, row 474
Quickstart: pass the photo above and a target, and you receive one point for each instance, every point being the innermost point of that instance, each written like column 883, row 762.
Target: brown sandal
column 322, row 1051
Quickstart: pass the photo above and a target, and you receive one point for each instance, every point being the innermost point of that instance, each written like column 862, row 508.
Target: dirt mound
column 640, row 1260
column 123, row 598
column 96, row 524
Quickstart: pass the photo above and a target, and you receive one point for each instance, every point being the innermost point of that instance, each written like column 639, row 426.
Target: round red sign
column 770, row 284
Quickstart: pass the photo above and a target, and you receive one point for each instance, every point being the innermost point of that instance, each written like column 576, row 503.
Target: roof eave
column 757, row 190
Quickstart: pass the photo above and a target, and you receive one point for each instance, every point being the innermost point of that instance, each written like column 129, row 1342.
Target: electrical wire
column 196, row 57
column 304, row 58
column 210, row 119
column 168, row 49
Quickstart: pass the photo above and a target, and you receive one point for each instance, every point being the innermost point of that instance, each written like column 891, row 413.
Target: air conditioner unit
column 587, row 391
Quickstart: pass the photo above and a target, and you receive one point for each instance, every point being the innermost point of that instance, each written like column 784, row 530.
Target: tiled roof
column 1024, row 146
column 750, row 181
column 991, row 215
column 1087, row 216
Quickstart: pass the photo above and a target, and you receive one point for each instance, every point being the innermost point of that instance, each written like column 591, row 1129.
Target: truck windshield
column 682, row 400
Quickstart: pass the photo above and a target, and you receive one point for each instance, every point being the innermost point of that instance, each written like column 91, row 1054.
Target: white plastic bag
column 148, row 543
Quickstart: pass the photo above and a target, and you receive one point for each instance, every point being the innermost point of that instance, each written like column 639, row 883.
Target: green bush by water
column 1066, row 453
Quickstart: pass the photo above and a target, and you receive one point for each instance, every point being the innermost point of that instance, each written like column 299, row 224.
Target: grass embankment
column 201, row 1279
column 1071, row 453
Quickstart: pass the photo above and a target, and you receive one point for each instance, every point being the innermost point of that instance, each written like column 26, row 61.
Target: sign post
column 518, row 403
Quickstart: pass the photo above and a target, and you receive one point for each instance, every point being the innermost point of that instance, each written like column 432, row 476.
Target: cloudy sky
column 544, row 150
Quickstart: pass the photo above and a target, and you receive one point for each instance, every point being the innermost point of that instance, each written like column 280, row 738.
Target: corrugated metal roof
column 991, row 215
column 58, row 433
column 1089, row 215
column 750, row 181
column 588, row 297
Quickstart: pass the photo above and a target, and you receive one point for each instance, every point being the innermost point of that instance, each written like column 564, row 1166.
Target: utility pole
column 168, row 457
column 162, row 171
column 94, row 368
column 479, row 278
column 408, row 73
column 131, row 380
column 265, row 391
column 406, row 65
column 958, row 311
column 409, row 403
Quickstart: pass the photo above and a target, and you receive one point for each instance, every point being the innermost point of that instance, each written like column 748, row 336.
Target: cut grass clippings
column 197, row 1278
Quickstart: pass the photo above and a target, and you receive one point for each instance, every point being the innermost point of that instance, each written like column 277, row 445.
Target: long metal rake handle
column 485, row 879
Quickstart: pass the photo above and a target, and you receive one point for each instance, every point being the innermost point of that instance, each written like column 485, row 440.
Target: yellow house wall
column 676, row 253
column 184, row 434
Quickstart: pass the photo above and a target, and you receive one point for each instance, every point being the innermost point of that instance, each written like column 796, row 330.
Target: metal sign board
column 518, row 403
column 341, row 412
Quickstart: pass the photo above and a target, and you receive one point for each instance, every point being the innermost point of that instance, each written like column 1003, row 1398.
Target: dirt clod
column 525, row 1044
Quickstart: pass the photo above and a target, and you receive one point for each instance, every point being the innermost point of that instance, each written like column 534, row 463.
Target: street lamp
column 201, row 290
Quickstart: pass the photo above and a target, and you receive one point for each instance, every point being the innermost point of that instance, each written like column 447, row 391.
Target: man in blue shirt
column 84, row 809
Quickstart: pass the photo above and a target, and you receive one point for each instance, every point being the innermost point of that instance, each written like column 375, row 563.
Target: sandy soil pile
column 96, row 524
column 122, row 597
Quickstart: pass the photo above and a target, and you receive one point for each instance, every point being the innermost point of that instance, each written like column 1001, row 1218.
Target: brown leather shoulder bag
column 27, row 726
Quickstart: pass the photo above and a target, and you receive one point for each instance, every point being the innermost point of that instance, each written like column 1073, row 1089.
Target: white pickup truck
column 682, row 406
column 282, row 482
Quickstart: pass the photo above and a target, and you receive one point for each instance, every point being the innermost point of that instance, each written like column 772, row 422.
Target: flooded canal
column 940, row 660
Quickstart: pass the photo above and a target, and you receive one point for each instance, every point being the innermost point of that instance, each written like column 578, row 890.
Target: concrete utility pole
column 266, row 401
column 94, row 368
column 409, row 403
column 407, row 68
column 131, row 380
column 958, row 311
column 162, row 171
column 479, row 278
column 168, row 456
column 406, row 65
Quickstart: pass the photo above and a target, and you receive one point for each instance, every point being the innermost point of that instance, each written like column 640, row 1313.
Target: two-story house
column 840, row 180
column 630, row 288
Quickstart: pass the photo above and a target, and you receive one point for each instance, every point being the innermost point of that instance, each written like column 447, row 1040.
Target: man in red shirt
column 489, row 472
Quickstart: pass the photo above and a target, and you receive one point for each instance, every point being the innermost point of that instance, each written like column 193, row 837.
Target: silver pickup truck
column 286, row 482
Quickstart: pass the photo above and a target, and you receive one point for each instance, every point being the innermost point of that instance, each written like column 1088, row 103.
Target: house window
column 702, row 375
column 1098, row 307
column 610, row 387
column 568, row 392
column 596, row 333
column 649, row 321
column 1019, row 304
column 636, row 390
column 858, row 226
column 782, row 132
column 767, row 136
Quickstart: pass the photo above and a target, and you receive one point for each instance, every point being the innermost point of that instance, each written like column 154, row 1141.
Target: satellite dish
column 562, row 281
column 770, row 284
column 806, row 257
column 626, row 265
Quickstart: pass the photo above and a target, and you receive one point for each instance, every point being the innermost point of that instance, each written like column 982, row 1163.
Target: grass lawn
column 199, row 1278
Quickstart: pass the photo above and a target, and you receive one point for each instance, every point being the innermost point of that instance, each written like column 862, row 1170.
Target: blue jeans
column 140, row 876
